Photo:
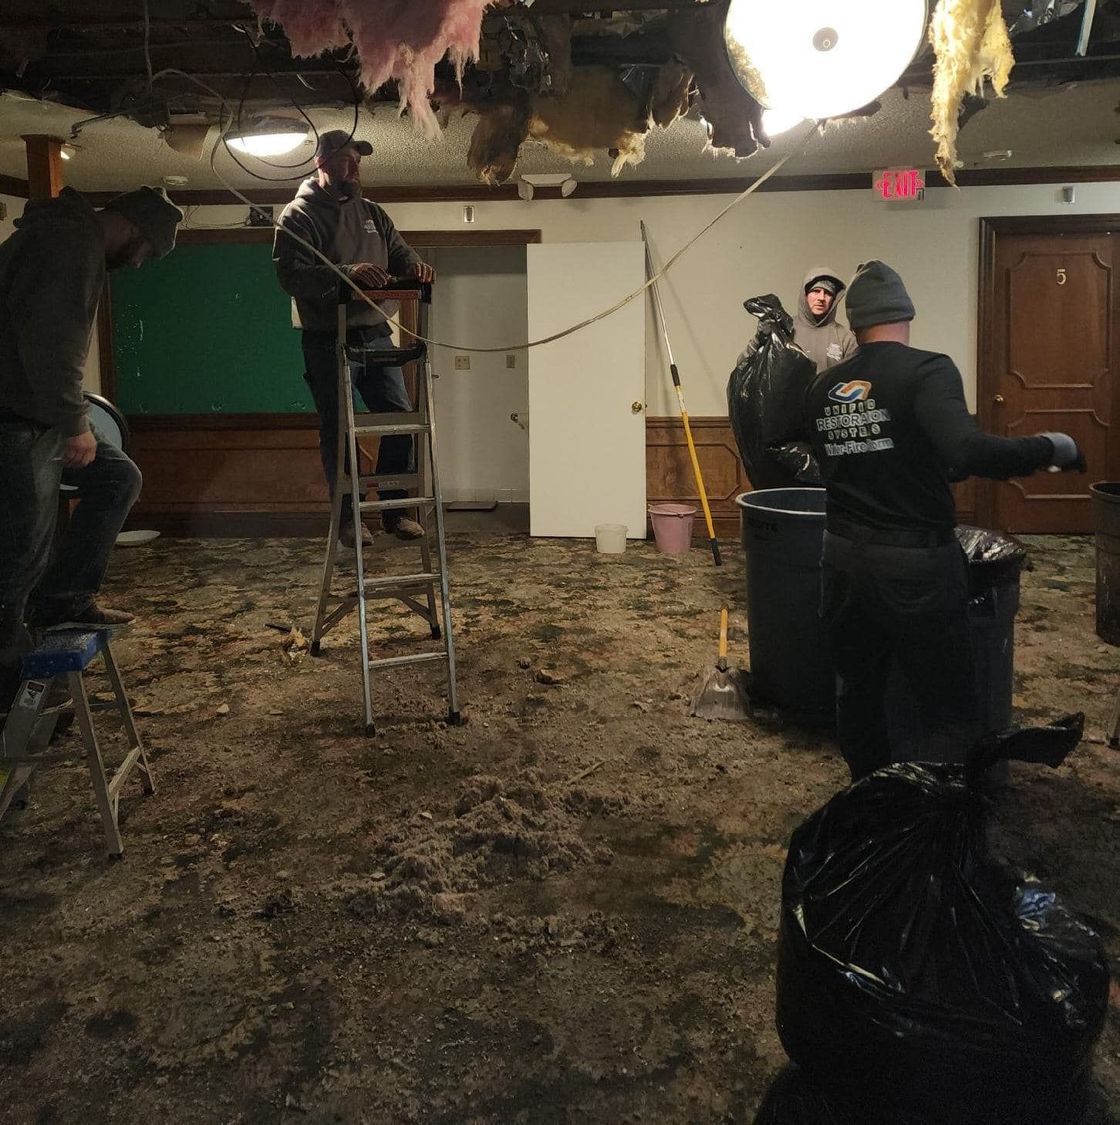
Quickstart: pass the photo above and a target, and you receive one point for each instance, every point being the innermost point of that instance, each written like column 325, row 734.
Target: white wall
column 480, row 298
column 92, row 371
column 765, row 244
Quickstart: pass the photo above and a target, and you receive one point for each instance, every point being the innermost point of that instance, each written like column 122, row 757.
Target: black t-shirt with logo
column 891, row 429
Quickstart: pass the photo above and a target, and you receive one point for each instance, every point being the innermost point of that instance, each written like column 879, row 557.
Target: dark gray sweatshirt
column 52, row 272
column 348, row 232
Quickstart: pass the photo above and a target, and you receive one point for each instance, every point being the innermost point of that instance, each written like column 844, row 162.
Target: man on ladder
column 359, row 237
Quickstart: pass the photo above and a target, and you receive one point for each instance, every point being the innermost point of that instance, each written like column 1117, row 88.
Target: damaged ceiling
column 554, row 83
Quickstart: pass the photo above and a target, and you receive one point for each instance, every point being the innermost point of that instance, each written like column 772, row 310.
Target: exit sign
column 906, row 184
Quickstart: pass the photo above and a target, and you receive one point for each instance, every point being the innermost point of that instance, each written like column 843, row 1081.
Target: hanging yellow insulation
column 971, row 43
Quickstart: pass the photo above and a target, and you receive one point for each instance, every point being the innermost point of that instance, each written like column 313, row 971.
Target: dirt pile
column 499, row 832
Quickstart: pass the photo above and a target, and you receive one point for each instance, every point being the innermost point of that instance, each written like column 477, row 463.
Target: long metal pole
column 675, row 374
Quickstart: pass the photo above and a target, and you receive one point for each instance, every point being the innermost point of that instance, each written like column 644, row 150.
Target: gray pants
column 31, row 583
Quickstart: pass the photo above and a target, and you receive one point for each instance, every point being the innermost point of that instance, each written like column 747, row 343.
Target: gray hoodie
column 824, row 341
column 52, row 272
column 348, row 232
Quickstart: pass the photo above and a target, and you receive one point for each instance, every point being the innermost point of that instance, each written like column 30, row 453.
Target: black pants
column 904, row 607
column 30, row 474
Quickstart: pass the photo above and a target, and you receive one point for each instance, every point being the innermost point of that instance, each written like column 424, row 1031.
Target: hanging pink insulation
column 398, row 39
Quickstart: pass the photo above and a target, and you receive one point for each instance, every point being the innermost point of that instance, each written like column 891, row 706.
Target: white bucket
column 610, row 538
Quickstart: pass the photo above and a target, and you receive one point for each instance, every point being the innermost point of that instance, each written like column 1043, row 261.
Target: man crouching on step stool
column 329, row 213
column 52, row 273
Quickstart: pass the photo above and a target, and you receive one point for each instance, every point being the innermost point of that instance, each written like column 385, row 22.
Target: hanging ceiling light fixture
column 821, row 59
column 268, row 136
column 779, row 121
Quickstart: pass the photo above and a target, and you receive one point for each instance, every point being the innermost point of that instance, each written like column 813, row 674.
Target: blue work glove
column 1067, row 456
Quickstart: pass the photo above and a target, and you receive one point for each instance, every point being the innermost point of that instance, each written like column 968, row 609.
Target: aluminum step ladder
column 63, row 658
column 424, row 588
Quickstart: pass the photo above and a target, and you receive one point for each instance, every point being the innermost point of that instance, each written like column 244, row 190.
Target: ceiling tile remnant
column 599, row 111
column 971, row 43
column 394, row 39
column 733, row 117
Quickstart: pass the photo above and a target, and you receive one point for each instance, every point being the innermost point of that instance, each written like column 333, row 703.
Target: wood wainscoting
column 259, row 474
column 229, row 474
column 669, row 474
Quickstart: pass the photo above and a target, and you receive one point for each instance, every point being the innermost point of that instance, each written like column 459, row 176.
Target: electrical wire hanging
column 453, row 346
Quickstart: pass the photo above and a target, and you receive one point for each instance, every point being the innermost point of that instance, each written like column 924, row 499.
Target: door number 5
column 1061, row 277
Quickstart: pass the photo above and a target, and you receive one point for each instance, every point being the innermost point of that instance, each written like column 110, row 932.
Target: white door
column 587, row 459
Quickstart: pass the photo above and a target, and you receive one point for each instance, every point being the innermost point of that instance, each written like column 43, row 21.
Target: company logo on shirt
column 371, row 226
column 834, row 351
column 855, row 391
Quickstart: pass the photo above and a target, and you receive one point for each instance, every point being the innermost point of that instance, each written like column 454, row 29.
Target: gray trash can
column 1106, row 520
column 995, row 563
column 782, row 532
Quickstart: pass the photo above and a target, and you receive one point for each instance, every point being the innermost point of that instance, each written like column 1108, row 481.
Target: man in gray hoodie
column 359, row 237
column 52, row 272
column 815, row 330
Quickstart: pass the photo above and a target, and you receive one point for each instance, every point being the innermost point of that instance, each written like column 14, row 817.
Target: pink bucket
column 672, row 527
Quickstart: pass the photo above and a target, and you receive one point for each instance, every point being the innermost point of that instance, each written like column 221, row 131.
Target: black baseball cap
column 335, row 140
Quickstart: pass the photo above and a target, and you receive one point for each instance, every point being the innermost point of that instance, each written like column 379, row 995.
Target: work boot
column 402, row 527
column 94, row 616
column 346, row 535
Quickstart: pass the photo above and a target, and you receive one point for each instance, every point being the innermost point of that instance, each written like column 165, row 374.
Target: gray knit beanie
column 153, row 213
column 876, row 295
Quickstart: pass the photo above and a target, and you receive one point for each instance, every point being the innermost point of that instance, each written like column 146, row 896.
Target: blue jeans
column 31, row 584
column 382, row 390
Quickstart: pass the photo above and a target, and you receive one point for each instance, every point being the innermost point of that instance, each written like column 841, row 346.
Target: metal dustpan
column 723, row 692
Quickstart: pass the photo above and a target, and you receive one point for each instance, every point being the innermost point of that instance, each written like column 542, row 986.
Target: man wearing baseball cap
column 52, row 273
column 890, row 430
column 815, row 330
column 359, row 237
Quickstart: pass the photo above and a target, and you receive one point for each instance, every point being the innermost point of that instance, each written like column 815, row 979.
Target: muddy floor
column 564, row 911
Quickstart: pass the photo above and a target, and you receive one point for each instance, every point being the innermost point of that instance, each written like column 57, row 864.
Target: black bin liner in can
column 922, row 980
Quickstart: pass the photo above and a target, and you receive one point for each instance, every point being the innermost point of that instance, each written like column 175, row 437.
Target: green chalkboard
column 206, row 330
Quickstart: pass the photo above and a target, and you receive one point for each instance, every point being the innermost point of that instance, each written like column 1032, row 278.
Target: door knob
column 635, row 408
column 998, row 400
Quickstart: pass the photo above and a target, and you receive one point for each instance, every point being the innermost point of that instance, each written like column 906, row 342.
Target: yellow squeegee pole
column 713, row 542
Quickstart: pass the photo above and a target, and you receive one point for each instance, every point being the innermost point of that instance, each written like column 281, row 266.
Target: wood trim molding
column 445, row 238
column 10, row 185
column 483, row 193
column 44, row 165
column 415, row 238
column 614, row 189
column 162, row 423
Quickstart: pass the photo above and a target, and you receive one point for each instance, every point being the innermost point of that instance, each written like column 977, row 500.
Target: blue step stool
column 62, row 659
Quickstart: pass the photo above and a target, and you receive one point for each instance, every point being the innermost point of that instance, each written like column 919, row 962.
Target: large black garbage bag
column 792, row 1099
column 764, row 401
column 920, row 978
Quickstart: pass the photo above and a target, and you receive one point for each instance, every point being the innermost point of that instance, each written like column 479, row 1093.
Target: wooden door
column 1049, row 362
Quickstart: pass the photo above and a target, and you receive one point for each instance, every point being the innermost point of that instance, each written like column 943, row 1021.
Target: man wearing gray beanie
column 52, row 273
column 891, row 430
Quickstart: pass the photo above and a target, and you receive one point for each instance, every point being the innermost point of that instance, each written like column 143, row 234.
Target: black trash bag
column 921, row 979
column 992, row 555
column 792, row 1099
column 764, row 401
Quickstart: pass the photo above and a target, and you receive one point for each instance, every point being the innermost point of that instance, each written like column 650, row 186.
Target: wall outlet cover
column 511, row 359
column 462, row 363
